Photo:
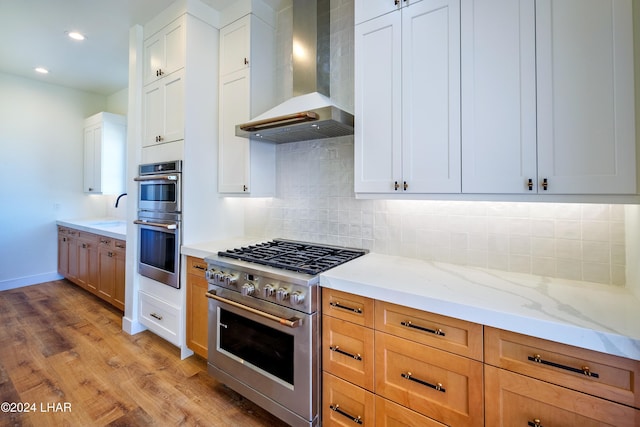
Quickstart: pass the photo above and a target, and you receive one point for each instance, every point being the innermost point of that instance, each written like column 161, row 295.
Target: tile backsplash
column 315, row 202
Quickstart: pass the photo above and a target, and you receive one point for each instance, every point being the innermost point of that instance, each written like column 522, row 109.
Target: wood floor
column 65, row 359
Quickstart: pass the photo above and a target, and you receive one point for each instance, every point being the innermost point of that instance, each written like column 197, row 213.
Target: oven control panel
column 280, row 292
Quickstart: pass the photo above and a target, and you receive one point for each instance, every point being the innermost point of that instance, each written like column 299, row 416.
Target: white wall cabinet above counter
column 105, row 139
column 547, row 100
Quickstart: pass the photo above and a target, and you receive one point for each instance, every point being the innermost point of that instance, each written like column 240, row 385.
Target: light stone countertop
column 116, row 228
column 596, row 317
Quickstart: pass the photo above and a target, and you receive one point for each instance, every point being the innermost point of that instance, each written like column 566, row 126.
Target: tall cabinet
column 247, row 88
column 547, row 97
column 407, row 96
column 104, row 153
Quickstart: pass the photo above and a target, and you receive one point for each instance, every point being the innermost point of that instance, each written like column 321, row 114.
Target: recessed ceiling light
column 41, row 70
column 76, row 35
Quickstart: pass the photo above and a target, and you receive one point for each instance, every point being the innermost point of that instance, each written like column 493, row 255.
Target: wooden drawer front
column 160, row 317
column 196, row 266
column 389, row 414
column 345, row 306
column 442, row 385
column 347, row 351
column 446, row 333
column 516, row 400
column 618, row 379
column 343, row 402
column 119, row 245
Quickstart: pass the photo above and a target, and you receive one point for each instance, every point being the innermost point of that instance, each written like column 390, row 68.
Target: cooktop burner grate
column 296, row 256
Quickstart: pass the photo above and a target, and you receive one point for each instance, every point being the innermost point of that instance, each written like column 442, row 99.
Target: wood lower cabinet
column 345, row 404
column 197, row 307
column 95, row 263
column 390, row 414
column 518, row 400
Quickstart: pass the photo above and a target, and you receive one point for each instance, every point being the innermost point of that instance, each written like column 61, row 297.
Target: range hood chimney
column 310, row 114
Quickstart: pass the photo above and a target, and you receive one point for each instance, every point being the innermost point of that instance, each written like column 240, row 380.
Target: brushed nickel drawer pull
column 535, row 423
column 157, row 316
column 200, row 267
column 336, row 408
column 338, row 350
column 344, row 307
column 437, row 387
column 585, row 370
column 438, row 331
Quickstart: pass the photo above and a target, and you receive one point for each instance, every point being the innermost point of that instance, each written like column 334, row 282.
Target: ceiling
column 33, row 34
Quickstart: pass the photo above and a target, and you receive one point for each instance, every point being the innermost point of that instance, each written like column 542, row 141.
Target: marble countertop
column 596, row 317
column 115, row 228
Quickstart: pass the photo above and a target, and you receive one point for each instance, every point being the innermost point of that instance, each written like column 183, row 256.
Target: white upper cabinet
column 498, row 96
column 547, row 97
column 247, row 88
column 586, row 115
column 369, row 9
column 163, row 109
column 407, row 100
column 104, row 154
column 164, row 51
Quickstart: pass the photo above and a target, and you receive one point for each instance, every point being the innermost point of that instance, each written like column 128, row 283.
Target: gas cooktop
column 301, row 257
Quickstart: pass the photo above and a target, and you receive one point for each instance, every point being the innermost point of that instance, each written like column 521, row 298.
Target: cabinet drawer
column 159, row 316
column 346, row 306
column 436, row 383
column 348, row 351
column 446, row 333
column 389, row 414
column 516, row 400
column 196, row 266
column 344, row 404
column 611, row 377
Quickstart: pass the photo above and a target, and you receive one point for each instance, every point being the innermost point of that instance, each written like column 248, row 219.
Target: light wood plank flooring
column 64, row 350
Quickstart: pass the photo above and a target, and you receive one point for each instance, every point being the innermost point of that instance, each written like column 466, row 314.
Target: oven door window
column 157, row 192
column 266, row 348
column 157, row 249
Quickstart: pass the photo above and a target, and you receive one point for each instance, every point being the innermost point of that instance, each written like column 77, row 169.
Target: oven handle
column 172, row 177
column 294, row 323
column 156, row 224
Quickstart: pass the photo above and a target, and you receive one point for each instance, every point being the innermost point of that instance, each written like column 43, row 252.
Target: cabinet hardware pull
column 85, row 246
column 159, row 72
column 584, row 370
column 337, row 350
column 545, row 184
column 438, row 331
column 200, row 267
column 535, row 423
column 396, row 186
column 437, row 387
column 396, row 2
column 336, row 408
column 530, row 184
column 405, row 186
column 110, row 254
column 294, row 322
column 245, row 188
column 246, row 61
column 157, row 316
column 121, row 245
column 344, row 307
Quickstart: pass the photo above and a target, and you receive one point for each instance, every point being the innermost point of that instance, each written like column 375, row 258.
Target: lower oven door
column 158, row 250
column 271, row 349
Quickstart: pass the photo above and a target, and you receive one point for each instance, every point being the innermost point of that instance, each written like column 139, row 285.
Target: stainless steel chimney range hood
column 310, row 114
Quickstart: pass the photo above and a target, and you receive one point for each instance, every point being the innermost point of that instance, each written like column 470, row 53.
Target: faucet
column 118, row 199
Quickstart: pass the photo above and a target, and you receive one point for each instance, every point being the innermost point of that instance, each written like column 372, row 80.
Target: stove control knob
column 282, row 294
column 297, row 297
column 230, row 280
column 247, row 289
column 268, row 290
column 210, row 274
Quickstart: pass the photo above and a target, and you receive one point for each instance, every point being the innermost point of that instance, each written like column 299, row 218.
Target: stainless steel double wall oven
column 264, row 323
column 159, row 221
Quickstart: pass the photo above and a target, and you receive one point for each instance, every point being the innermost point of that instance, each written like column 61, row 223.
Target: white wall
column 41, row 137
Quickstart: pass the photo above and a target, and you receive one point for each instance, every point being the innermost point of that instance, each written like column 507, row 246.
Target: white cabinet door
column 235, row 157
column 92, row 163
column 163, row 110
column 431, row 97
column 164, row 51
column 378, row 104
column 498, row 96
column 235, row 46
column 586, row 127
column 365, row 10
column 104, row 154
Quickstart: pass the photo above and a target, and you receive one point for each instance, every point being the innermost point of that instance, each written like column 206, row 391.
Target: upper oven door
column 275, row 352
column 160, row 193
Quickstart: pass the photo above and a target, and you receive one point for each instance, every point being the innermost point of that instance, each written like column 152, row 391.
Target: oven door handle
column 171, row 177
column 156, row 224
column 292, row 323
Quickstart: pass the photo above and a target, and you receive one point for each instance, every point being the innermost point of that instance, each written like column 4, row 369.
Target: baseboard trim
column 21, row 282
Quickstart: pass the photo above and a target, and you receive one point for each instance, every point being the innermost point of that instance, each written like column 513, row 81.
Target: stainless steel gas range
column 264, row 325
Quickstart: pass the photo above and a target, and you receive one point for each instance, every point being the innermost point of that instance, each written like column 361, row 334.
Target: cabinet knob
column 246, row 61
